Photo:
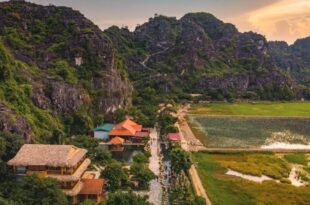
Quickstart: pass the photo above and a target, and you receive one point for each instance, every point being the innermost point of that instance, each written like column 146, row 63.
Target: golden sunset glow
column 285, row 19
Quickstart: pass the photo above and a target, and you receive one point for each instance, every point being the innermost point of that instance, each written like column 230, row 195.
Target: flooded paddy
column 234, row 131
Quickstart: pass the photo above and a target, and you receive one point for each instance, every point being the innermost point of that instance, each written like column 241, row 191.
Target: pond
column 127, row 154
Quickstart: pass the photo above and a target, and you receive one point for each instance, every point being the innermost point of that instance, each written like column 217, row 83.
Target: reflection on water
column 127, row 154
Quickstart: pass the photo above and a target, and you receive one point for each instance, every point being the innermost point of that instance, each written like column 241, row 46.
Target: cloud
column 284, row 19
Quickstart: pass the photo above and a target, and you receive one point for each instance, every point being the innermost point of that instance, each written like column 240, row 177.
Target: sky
column 276, row 19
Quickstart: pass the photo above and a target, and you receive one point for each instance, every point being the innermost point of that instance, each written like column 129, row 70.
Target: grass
column 256, row 109
column 223, row 131
column 229, row 190
column 256, row 164
column 297, row 158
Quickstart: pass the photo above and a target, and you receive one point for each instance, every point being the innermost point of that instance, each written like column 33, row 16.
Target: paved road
column 156, row 190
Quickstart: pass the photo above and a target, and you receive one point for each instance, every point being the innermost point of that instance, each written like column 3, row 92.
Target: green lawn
column 254, row 109
column 229, row 190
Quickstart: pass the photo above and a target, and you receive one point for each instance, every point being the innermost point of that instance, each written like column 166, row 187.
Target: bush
column 285, row 181
column 62, row 69
column 140, row 158
column 32, row 190
column 121, row 198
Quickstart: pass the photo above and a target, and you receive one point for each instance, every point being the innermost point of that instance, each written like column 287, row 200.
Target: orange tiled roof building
column 129, row 131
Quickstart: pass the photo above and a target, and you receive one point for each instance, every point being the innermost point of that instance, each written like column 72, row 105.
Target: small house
column 174, row 138
column 130, row 131
column 102, row 132
column 92, row 190
column 116, row 144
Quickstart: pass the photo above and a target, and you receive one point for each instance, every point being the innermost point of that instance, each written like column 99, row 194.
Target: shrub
column 140, row 158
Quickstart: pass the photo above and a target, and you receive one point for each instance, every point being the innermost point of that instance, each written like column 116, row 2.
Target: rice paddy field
column 250, row 125
column 217, row 131
column 287, row 109
column 224, row 189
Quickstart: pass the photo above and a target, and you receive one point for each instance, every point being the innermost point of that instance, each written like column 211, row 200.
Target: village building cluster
column 69, row 164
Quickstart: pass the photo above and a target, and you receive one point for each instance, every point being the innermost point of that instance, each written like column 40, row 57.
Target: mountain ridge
column 201, row 50
column 59, row 73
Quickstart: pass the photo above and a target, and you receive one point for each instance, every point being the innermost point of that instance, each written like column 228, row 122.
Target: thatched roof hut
column 48, row 155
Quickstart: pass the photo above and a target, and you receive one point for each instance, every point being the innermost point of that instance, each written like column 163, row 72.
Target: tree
column 84, row 141
column 140, row 158
column 98, row 120
column 35, row 191
column 172, row 129
column 121, row 198
column 166, row 122
column 101, row 156
column 7, row 202
column 180, row 160
column 87, row 202
column 9, row 145
column 115, row 175
column 142, row 174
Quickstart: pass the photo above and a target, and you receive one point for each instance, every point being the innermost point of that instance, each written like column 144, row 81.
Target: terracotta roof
column 126, row 128
column 92, row 186
column 117, row 140
column 174, row 136
column 48, row 155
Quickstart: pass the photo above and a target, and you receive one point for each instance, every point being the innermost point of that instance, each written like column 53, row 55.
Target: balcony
column 75, row 176
column 75, row 190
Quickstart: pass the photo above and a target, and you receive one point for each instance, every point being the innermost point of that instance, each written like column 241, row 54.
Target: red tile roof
column 174, row 136
column 126, row 128
column 92, row 186
column 117, row 140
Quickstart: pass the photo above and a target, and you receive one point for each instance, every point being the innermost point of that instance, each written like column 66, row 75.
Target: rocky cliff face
column 199, row 53
column 10, row 121
column 69, row 63
column 295, row 59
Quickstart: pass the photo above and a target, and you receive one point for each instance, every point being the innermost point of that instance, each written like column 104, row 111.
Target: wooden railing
column 38, row 173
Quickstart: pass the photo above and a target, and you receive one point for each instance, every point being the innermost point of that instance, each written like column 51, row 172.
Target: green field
column 229, row 131
column 230, row 190
column 254, row 109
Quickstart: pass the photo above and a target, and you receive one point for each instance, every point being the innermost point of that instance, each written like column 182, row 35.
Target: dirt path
column 200, row 191
column 144, row 62
column 190, row 143
column 188, row 140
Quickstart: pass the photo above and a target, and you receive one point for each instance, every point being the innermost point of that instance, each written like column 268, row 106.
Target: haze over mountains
column 59, row 71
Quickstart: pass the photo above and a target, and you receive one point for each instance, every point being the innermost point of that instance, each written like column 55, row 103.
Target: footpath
column 190, row 143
